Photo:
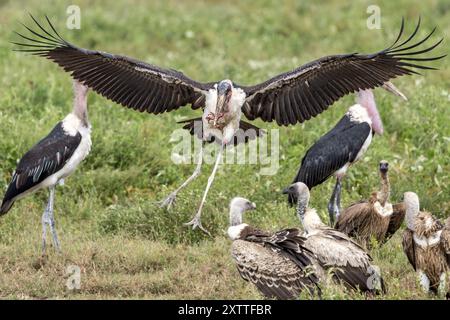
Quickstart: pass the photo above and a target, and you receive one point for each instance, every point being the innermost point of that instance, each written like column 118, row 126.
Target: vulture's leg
column 196, row 222
column 169, row 201
column 424, row 281
column 49, row 220
column 442, row 284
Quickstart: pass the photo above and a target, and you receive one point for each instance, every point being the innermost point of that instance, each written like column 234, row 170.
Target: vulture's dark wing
column 397, row 217
column 409, row 247
column 349, row 262
column 275, row 275
column 44, row 159
column 331, row 152
column 353, row 218
column 279, row 265
column 129, row 82
column 298, row 95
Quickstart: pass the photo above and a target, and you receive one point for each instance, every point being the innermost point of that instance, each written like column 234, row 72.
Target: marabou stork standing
column 339, row 148
column 289, row 98
column 51, row 160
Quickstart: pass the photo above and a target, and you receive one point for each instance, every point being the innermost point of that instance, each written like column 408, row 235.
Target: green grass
column 106, row 215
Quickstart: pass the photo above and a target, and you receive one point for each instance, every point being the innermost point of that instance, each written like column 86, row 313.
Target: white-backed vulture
column 277, row 264
column 347, row 260
column 375, row 218
column 426, row 243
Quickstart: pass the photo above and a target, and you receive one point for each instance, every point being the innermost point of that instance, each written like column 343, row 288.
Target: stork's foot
column 169, row 201
column 197, row 223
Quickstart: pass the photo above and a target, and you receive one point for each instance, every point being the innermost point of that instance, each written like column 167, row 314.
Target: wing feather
column 347, row 72
column 409, row 247
column 124, row 80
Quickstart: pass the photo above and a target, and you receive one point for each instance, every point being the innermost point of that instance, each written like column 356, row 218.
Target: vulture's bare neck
column 384, row 194
column 235, row 216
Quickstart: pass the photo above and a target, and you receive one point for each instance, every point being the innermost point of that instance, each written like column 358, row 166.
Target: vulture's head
column 412, row 207
column 238, row 206
column 384, row 166
column 242, row 204
column 300, row 191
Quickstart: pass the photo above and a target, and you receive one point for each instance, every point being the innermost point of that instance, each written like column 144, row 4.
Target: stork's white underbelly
column 364, row 147
column 79, row 155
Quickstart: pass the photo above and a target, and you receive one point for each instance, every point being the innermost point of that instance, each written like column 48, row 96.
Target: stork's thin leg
column 169, row 201
column 196, row 222
column 49, row 220
column 337, row 211
column 332, row 204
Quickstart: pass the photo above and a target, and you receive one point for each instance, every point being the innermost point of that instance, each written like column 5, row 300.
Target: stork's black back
column 331, row 152
column 44, row 159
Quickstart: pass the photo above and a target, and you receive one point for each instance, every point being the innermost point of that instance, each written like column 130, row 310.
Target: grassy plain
column 109, row 225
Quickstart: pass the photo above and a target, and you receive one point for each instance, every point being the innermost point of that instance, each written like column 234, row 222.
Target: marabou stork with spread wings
column 289, row 98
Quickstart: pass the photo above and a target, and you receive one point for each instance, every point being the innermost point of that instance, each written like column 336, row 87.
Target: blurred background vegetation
column 106, row 215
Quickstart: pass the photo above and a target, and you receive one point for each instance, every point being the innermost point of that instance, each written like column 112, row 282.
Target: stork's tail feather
column 249, row 131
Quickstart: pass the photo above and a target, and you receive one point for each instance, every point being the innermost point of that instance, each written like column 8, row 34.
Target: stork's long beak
column 219, row 106
column 389, row 86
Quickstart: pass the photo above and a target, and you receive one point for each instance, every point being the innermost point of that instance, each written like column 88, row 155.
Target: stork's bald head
column 224, row 92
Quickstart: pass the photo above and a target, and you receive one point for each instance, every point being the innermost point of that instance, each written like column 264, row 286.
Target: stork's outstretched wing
column 298, row 95
column 129, row 82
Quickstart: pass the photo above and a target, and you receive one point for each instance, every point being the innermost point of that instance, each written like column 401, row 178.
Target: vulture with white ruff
column 375, row 218
column 426, row 243
column 276, row 263
column 348, row 262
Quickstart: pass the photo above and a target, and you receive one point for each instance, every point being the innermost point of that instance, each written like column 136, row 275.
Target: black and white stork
column 289, row 98
column 339, row 148
column 51, row 160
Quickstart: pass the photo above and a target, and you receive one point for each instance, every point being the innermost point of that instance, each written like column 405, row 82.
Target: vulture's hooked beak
column 389, row 86
column 286, row 190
